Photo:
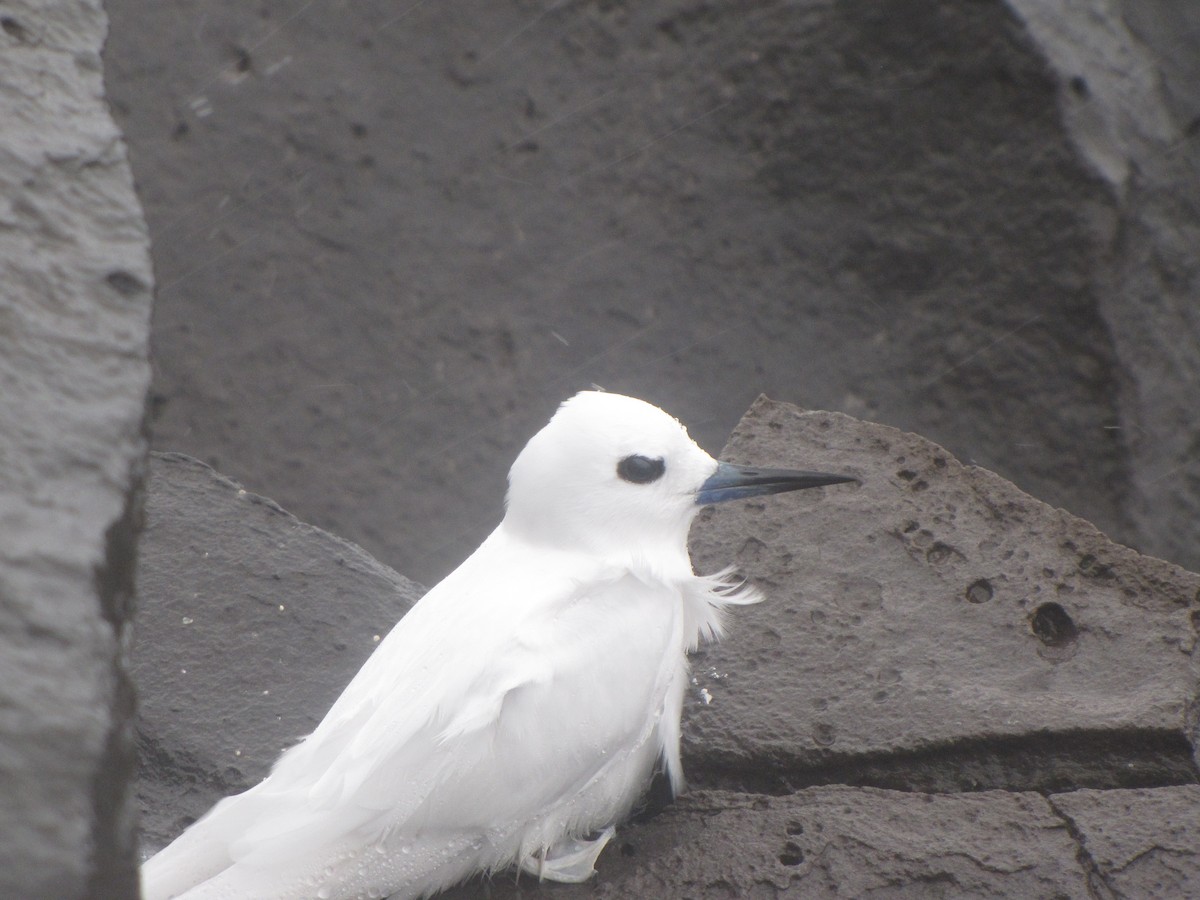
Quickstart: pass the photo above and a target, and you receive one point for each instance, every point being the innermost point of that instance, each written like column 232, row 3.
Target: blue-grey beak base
column 732, row 482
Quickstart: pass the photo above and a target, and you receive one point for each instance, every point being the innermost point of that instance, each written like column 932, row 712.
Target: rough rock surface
column 936, row 628
column 835, row 842
column 392, row 237
column 74, row 332
column 1139, row 843
column 952, row 689
column 250, row 624
column 1131, row 106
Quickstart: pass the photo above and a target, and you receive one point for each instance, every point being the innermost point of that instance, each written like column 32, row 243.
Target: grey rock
column 74, row 330
column 1139, row 843
column 934, row 629
column 250, row 624
column 391, row 242
column 1130, row 94
column 831, row 842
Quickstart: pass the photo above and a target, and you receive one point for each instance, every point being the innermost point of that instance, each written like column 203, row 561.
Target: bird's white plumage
column 521, row 704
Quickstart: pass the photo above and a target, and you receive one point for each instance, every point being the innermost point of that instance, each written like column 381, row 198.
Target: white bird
column 519, row 710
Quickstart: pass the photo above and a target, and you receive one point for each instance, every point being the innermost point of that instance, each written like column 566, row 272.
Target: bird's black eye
column 641, row 469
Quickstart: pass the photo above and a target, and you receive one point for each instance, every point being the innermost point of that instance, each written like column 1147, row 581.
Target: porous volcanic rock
column 74, row 330
column 934, row 628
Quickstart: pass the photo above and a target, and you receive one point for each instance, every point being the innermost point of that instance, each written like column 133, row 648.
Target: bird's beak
column 732, row 482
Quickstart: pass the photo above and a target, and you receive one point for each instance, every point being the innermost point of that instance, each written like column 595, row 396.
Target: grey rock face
column 1139, row 843
column 250, row 624
column 951, row 688
column 936, row 629
column 835, row 842
column 1130, row 100
column 391, row 242
column 74, row 328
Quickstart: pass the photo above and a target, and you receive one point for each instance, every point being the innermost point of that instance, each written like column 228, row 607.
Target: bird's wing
column 578, row 690
column 504, row 690
column 422, row 669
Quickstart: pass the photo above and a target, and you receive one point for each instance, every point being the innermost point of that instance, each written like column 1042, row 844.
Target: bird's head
column 619, row 478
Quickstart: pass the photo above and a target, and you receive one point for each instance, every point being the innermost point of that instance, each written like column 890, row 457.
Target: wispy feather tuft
column 706, row 599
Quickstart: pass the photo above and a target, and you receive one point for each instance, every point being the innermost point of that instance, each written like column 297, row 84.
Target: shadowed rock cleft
column 1047, row 762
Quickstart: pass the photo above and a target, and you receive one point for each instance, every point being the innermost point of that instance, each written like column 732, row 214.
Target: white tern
column 519, row 710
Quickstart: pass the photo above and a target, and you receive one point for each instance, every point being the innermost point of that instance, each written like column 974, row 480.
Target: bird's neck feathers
column 659, row 548
column 704, row 597
column 651, row 557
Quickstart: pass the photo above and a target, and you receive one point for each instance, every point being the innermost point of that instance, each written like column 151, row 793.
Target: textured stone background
column 391, row 237
column 75, row 291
